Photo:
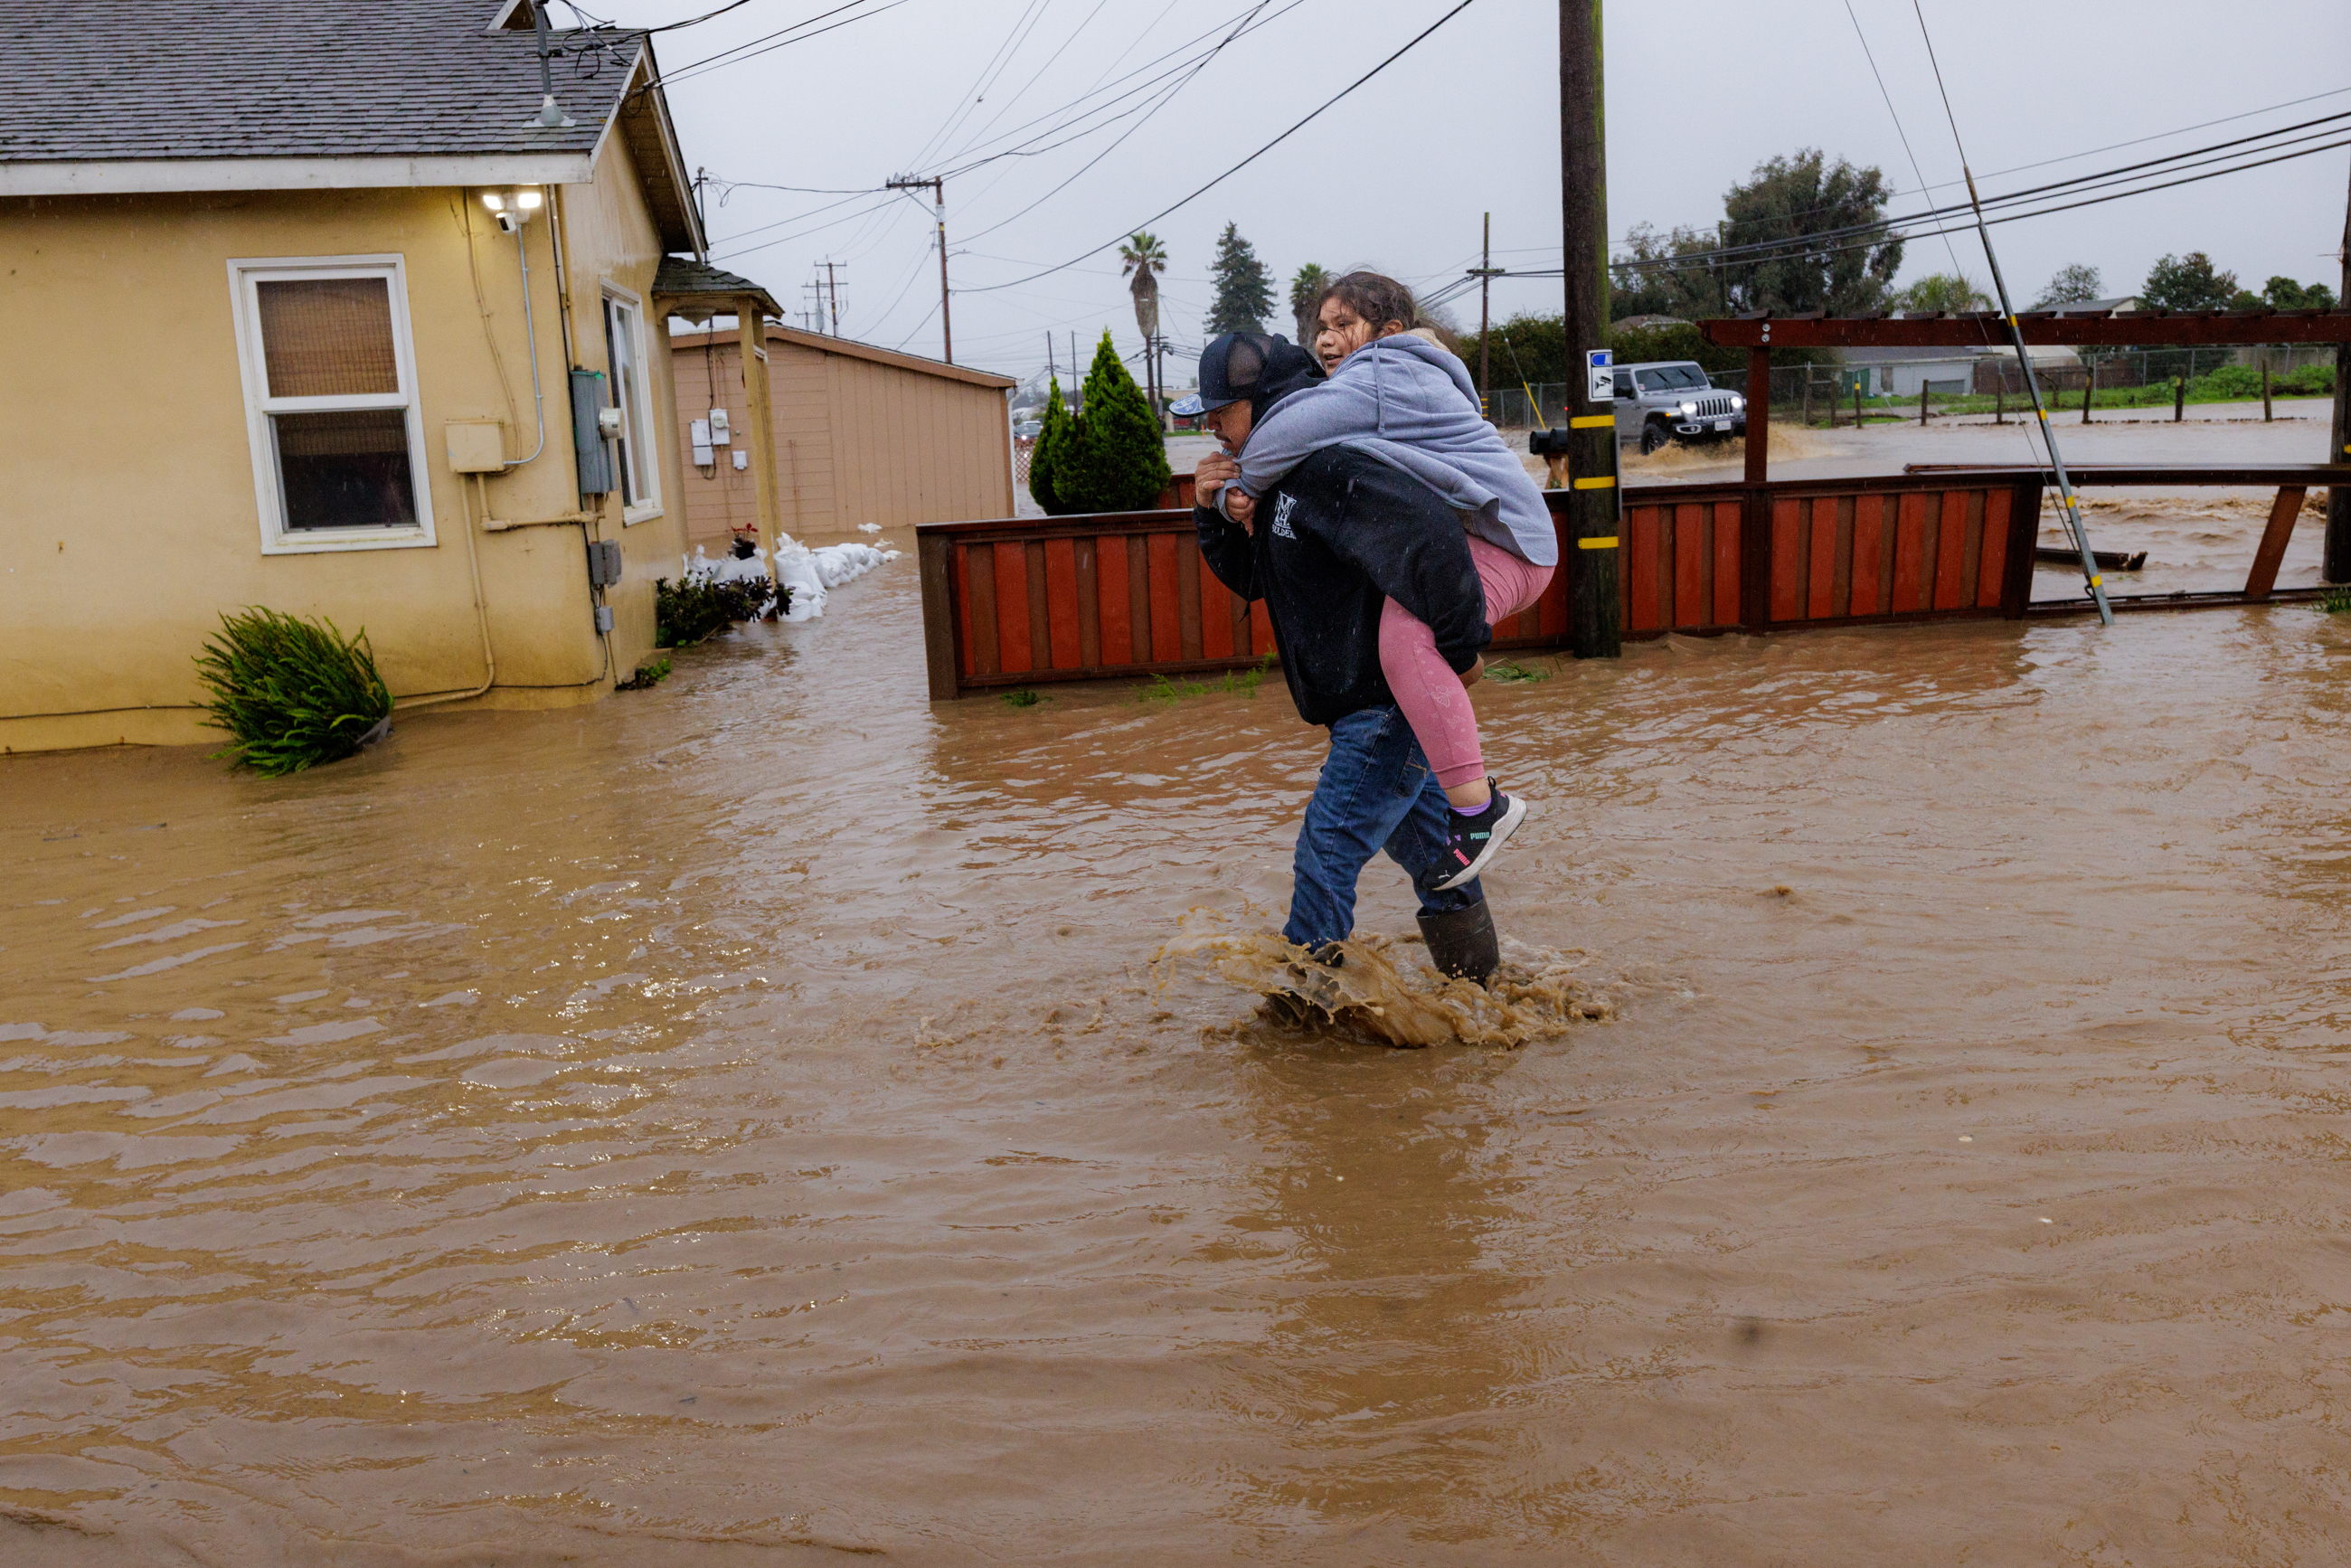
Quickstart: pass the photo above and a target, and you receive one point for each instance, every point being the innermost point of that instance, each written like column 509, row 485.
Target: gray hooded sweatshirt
column 1411, row 404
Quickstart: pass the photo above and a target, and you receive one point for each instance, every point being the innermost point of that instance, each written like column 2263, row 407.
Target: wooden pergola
column 1760, row 331
column 695, row 291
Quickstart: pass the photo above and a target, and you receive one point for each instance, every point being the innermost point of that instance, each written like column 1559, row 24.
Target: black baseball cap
column 1232, row 369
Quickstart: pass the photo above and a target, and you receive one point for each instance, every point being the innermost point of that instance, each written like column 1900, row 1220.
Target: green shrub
column 1047, row 453
column 292, row 694
column 1111, row 458
column 2230, row 382
column 647, row 677
column 1022, row 697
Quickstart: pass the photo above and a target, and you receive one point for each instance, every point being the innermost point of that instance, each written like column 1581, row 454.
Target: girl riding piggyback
column 1397, row 393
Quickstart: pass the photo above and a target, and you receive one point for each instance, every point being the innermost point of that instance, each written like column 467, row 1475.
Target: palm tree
column 1146, row 258
column 1306, row 288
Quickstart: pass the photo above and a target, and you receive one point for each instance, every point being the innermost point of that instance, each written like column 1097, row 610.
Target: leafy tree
column 1244, row 288
column 1044, row 457
column 1115, row 458
column 2285, row 293
column 1949, row 291
column 1692, row 273
column 1306, row 286
column 1790, row 199
column 2071, row 286
column 1672, row 274
column 2189, row 283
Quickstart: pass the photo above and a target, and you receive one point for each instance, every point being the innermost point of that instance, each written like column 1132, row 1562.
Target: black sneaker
column 1472, row 842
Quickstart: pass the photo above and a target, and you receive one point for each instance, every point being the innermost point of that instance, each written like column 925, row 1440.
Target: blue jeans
column 1376, row 793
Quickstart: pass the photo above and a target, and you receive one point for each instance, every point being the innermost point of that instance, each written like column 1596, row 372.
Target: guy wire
column 2074, row 525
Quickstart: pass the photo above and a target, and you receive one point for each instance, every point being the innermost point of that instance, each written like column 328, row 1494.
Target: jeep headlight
column 1689, row 409
column 1737, row 403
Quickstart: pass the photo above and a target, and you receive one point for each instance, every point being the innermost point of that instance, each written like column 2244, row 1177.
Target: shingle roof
column 684, row 275
column 101, row 80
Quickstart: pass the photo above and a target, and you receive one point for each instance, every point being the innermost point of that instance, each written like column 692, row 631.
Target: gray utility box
column 588, row 400
column 603, row 562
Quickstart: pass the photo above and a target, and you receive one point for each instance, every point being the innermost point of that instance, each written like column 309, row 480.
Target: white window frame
column 646, row 445
column 245, row 273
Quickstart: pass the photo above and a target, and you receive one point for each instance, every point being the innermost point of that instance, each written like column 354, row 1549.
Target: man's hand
column 1470, row 676
column 1241, row 507
column 1215, row 472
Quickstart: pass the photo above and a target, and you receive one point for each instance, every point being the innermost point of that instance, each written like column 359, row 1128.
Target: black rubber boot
column 1461, row 942
column 1313, row 995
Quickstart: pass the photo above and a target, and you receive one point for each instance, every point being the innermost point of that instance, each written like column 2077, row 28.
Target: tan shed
column 863, row 435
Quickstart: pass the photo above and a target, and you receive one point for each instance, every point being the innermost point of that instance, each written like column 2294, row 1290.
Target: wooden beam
column 1986, row 329
column 759, row 413
column 2283, row 511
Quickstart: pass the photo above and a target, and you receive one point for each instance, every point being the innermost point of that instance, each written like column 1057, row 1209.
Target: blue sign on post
column 1600, row 375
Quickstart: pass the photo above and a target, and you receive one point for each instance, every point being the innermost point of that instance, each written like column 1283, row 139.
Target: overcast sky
column 1397, row 176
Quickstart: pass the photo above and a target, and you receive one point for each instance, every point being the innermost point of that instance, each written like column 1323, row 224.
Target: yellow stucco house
column 323, row 307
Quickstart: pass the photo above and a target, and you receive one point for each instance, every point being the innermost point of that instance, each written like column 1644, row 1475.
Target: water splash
column 1386, row 990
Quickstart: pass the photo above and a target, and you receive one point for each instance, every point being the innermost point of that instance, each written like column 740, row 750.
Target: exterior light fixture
column 515, row 206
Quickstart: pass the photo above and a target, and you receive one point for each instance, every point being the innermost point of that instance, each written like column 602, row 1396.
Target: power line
column 1884, row 228
column 750, row 51
column 1892, row 114
column 973, row 94
column 1924, row 189
column 1165, row 98
column 1185, row 66
column 1040, row 76
column 1675, row 263
column 1245, row 163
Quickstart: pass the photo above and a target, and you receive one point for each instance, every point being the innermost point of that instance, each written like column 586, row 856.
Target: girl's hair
column 1376, row 298
column 1380, row 299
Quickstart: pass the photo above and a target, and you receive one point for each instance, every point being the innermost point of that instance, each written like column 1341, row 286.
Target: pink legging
column 1434, row 701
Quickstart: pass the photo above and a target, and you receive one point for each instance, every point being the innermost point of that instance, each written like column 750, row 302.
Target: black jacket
column 1340, row 535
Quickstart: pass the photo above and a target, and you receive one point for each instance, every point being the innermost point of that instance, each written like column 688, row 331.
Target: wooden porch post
column 752, row 339
column 1755, row 523
column 1759, row 414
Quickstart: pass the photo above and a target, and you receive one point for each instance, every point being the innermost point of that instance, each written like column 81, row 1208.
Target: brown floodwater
column 745, row 1122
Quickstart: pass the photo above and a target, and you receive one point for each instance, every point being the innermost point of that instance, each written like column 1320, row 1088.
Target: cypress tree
column 1244, row 288
column 1115, row 459
column 1052, row 441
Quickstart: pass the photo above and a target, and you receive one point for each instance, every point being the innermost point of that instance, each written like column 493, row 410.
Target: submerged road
column 742, row 1122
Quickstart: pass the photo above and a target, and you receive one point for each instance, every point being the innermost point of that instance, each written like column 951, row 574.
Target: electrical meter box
column 476, row 446
column 720, row 434
column 588, row 401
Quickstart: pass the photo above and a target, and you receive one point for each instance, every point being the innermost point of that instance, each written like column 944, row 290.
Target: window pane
column 328, row 337
column 347, row 470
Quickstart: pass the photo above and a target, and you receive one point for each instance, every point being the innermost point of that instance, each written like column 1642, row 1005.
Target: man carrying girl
column 1385, row 525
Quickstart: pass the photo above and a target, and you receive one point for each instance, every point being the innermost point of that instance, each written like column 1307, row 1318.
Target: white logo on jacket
column 1282, row 507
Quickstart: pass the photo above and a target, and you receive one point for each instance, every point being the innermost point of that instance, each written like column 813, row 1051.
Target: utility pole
column 1051, row 371
column 832, row 289
column 2338, row 442
column 938, row 189
column 1485, row 273
column 1594, row 505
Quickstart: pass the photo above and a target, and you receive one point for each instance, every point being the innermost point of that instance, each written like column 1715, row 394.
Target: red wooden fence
column 1024, row 601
